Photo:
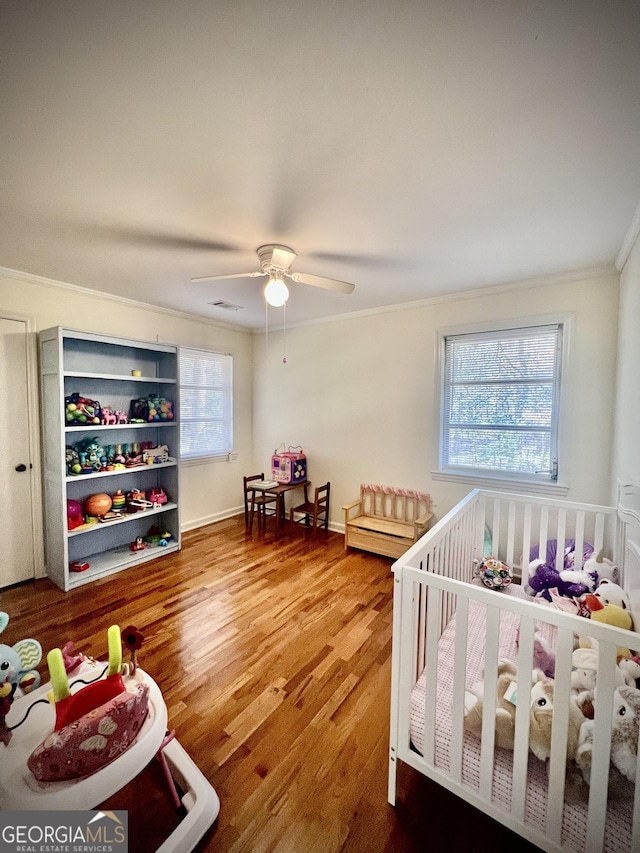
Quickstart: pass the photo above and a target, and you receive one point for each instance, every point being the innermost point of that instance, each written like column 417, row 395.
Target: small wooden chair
column 317, row 509
column 255, row 500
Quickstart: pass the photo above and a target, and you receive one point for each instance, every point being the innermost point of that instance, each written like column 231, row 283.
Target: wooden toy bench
column 386, row 520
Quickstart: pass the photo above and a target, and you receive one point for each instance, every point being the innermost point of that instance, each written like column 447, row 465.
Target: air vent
column 227, row 306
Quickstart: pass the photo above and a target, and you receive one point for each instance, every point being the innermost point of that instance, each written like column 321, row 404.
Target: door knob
column 21, row 467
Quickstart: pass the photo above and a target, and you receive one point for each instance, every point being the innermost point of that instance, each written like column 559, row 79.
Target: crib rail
column 432, row 582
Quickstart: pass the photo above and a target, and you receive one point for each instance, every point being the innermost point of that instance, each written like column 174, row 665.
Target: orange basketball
column 98, row 504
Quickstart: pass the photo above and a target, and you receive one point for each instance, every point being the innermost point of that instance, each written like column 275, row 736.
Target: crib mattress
column 619, row 816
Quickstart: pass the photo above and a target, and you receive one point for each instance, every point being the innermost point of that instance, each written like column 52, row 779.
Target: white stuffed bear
column 609, row 592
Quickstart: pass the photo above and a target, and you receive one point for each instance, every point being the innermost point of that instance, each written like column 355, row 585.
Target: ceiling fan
column 275, row 261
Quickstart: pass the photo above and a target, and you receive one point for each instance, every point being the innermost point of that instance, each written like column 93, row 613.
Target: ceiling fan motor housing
column 275, row 257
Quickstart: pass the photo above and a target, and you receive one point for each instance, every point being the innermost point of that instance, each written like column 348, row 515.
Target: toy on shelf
column 91, row 454
column 118, row 501
column 80, row 411
column 150, row 409
column 75, row 517
column 158, row 496
column 98, row 504
column 155, row 455
column 155, row 537
column 108, row 417
column 138, row 545
column 136, row 501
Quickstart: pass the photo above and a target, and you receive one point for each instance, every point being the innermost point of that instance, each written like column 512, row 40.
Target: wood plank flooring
column 274, row 661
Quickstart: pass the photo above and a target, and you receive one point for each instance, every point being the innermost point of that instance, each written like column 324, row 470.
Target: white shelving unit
column 99, row 367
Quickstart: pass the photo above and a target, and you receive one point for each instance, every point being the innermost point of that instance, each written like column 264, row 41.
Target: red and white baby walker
column 71, row 744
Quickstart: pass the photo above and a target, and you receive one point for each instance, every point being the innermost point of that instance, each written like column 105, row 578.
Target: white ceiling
column 414, row 147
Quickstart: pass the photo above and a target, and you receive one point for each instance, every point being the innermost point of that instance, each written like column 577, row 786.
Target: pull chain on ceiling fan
column 275, row 261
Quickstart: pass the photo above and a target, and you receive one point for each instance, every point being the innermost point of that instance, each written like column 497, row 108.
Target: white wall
column 359, row 394
column 627, row 414
column 210, row 491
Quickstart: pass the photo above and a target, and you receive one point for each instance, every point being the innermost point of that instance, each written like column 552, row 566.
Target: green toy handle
column 115, row 649
column 58, row 675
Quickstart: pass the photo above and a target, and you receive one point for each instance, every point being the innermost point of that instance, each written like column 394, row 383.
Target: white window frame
column 514, row 481
column 226, row 361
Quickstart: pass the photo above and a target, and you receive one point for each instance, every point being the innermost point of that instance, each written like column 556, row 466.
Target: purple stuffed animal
column 543, row 575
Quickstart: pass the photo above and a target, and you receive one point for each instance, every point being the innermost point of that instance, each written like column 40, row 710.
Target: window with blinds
column 501, row 401
column 206, row 404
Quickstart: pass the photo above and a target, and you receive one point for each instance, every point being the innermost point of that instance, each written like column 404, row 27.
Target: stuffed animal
column 16, row 673
column 603, row 566
column 624, row 743
column 543, row 575
column 542, row 578
column 544, row 657
column 608, row 592
column 540, row 715
column 541, row 718
column 608, row 614
column 505, row 710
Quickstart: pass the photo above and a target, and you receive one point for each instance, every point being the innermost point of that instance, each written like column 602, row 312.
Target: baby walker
column 72, row 745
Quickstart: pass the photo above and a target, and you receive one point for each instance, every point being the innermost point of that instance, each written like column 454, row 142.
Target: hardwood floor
column 274, row 661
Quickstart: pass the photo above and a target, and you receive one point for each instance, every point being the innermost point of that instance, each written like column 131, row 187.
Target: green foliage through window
column 500, row 401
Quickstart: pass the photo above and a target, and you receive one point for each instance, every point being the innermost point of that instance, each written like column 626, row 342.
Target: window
column 206, row 404
column 500, row 403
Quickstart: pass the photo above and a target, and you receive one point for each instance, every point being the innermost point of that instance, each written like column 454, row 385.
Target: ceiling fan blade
column 376, row 261
column 229, row 275
column 320, row 281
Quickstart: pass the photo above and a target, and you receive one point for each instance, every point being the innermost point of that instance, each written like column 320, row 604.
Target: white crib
column 448, row 630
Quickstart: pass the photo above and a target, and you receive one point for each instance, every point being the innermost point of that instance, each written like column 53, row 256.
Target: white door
column 17, row 553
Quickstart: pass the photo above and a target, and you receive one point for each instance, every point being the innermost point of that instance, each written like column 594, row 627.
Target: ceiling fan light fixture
column 276, row 292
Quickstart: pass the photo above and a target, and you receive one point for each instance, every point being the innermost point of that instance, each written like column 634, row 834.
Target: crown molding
column 5, row 272
column 629, row 241
column 495, row 289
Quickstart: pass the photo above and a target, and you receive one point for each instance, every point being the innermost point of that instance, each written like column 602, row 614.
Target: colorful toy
column 121, row 417
column 138, row 545
column 17, row 674
column 155, row 455
column 90, row 452
column 93, row 726
column 108, row 417
column 494, row 573
column 151, row 408
column 98, row 504
column 72, row 461
column 80, row 411
column 158, row 496
column 118, row 501
column 74, row 514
